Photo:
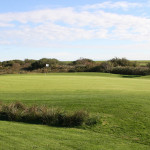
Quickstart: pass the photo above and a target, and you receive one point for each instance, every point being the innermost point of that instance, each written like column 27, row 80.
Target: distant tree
column 122, row 62
column 83, row 61
column 103, row 67
column 42, row 63
column 8, row 63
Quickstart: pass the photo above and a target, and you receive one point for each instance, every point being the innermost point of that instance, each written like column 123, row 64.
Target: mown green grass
column 122, row 102
column 16, row 136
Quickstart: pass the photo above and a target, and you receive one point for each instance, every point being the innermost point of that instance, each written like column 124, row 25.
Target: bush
column 43, row 115
column 11, row 112
column 42, row 63
column 7, row 63
column 81, row 65
column 29, row 61
column 122, row 62
column 20, row 62
column 103, row 67
column 148, row 65
column 131, row 70
column 76, row 119
column 83, row 61
column 92, row 120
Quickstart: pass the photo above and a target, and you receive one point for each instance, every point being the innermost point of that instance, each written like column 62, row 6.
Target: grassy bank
column 122, row 102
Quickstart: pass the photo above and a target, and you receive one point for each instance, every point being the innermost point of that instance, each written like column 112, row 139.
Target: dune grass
column 44, row 115
column 122, row 102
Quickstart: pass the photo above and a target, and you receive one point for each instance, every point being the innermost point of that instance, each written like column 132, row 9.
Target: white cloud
column 63, row 24
column 6, row 25
column 109, row 4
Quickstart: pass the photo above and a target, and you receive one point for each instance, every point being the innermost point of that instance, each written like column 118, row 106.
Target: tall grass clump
column 43, row 115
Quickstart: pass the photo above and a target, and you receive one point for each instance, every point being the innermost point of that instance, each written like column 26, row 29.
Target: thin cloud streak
column 116, row 5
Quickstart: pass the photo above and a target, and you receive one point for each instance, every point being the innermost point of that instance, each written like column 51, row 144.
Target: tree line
column 115, row 65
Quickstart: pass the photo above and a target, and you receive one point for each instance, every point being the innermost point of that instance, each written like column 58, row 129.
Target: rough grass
column 19, row 112
column 122, row 102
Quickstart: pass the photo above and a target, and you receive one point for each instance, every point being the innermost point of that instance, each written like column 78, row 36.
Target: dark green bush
column 123, row 62
column 83, row 61
column 103, row 67
column 42, row 63
column 7, row 63
column 131, row 70
column 81, row 65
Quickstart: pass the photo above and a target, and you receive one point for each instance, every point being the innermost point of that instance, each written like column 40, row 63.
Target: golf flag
column 47, row 65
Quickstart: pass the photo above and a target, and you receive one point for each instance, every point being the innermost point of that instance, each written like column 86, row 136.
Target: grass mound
column 43, row 115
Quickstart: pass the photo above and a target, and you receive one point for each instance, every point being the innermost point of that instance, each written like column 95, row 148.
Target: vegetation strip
column 47, row 65
column 43, row 115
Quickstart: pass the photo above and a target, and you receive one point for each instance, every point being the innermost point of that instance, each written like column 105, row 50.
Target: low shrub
column 131, row 70
column 103, row 67
column 42, row 63
column 83, row 61
column 92, row 120
column 123, row 62
column 43, row 115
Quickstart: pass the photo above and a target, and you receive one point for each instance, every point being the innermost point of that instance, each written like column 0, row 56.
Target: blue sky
column 68, row 30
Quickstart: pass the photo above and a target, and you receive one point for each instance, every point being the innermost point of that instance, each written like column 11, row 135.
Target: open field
column 122, row 102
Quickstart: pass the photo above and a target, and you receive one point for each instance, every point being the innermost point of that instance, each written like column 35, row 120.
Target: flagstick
column 47, row 65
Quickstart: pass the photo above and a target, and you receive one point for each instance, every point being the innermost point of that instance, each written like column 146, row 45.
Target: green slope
column 17, row 136
column 122, row 102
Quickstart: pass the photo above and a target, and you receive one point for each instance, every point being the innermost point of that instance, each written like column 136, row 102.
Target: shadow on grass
column 131, row 76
